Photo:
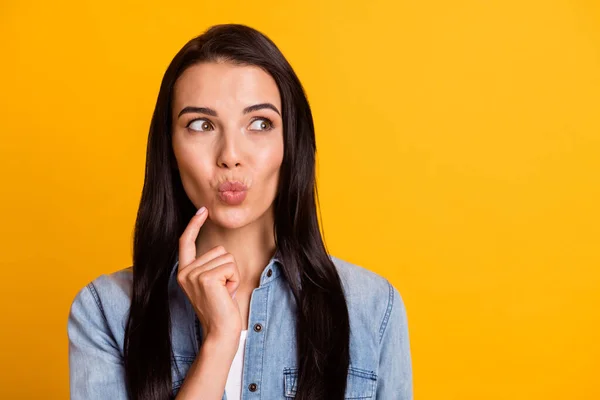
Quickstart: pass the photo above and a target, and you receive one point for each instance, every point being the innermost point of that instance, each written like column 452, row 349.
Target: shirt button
column 252, row 387
column 269, row 273
column 258, row 327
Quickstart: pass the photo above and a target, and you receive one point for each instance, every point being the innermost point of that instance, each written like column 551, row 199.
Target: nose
column 229, row 155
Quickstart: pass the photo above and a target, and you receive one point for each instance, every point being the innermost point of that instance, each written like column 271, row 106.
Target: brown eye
column 261, row 124
column 199, row 125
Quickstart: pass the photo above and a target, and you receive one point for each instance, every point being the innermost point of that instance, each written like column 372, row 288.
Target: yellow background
column 459, row 155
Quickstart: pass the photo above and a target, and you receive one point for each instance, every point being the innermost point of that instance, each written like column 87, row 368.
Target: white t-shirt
column 233, row 387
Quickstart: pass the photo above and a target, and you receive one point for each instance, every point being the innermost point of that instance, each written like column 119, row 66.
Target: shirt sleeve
column 96, row 369
column 394, row 380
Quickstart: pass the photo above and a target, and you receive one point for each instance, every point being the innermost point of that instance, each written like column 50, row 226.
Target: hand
column 210, row 282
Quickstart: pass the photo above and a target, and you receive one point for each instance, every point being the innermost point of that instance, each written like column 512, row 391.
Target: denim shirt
column 380, row 361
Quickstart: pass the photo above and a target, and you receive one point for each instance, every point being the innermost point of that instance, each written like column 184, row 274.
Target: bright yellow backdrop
column 459, row 155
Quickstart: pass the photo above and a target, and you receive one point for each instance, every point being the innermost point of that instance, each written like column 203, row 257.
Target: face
column 228, row 140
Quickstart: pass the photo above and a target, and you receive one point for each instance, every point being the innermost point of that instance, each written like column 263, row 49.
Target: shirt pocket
column 360, row 384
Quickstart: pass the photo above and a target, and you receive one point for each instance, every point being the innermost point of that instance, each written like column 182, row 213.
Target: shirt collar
column 269, row 273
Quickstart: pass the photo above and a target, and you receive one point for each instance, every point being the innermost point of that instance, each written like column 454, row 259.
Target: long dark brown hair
column 165, row 210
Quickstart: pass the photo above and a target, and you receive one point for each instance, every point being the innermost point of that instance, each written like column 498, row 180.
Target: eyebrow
column 261, row 106
column 210, row 111
column 199, row 110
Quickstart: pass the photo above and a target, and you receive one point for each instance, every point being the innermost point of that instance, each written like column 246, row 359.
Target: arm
column 207, row 376
column 95, row 363
column 395, row 366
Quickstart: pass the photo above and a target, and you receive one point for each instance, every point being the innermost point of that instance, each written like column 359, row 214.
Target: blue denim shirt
column 380, row 360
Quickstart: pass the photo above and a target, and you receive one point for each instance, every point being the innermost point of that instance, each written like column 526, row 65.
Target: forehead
column 224, row 85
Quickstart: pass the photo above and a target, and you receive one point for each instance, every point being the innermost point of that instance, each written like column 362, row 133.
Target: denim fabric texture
column 380, row 360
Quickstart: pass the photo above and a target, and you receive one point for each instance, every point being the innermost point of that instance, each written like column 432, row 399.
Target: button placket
column 255, row 344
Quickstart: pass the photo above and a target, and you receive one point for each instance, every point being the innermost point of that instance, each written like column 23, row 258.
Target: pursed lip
column 232, row 186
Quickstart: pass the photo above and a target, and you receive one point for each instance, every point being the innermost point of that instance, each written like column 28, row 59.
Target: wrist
column 221, row 345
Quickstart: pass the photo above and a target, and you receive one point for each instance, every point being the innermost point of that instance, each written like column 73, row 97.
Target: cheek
column 194, row 169
column 270, row 162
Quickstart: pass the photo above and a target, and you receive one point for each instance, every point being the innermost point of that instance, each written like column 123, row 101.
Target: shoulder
column 117, row 285
column 103, row 304
column 109, row 290
column 357, row 278
column 362, row 283
column 371, row 298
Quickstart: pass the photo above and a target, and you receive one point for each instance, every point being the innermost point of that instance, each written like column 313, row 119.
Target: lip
column 232, row 193
column 232, row 186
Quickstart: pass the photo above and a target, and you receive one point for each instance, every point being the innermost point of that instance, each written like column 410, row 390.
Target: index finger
column 187, row 241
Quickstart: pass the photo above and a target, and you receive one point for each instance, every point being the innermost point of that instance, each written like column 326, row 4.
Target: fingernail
column 233, row 295
column 200, row 210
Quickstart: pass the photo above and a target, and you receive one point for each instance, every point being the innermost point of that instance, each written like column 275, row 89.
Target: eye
column 199, row 125
column 261, row 124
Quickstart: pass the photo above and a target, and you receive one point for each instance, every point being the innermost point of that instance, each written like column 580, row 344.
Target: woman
column 232, row 293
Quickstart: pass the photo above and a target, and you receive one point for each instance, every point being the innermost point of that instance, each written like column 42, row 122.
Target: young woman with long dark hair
column 232, row 294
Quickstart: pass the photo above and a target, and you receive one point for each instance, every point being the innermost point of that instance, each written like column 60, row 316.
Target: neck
column 252, row 246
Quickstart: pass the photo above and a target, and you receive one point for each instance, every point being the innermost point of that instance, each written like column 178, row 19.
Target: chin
column 230, row 217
